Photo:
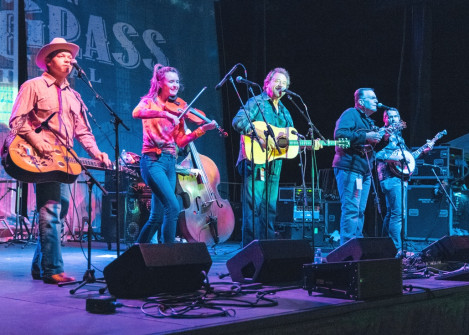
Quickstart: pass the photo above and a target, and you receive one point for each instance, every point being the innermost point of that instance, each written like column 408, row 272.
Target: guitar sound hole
column 282, row 142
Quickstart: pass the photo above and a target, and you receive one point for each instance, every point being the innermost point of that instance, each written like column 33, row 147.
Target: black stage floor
column 29, row 306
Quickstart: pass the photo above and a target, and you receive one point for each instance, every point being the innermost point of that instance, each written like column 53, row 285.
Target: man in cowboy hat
column 38, row 99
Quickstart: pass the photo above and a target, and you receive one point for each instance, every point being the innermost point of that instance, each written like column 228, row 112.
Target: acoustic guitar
column 287, row 140
column 24, row 163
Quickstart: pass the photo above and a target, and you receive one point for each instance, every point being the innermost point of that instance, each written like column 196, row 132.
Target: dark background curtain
column 413, row 53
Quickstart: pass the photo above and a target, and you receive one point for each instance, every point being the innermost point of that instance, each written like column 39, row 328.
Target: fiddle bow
column 178, row 103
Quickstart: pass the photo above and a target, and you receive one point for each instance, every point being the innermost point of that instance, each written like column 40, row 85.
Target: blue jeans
column 52, row 201
column 260, row 222
column 159, row 173
column 392, row 224
column 353, row 202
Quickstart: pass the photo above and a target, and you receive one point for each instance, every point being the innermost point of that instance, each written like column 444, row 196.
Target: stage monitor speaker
column 270, row 261
column 358, row 249
column 147, row 269
column 448, row 248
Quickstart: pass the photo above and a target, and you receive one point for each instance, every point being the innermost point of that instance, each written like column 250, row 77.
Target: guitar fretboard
column 309, row 143
column 89, row 163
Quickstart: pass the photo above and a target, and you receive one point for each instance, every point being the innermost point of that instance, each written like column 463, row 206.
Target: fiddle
column 177, row 106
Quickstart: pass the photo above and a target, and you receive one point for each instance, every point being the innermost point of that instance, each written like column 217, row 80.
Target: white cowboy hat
column 57, row 43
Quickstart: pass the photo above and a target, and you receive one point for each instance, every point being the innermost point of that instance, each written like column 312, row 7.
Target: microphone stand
column 450, row 201
column 268, row 132
column 444, row 189
column 254, row 136
column 89, row 276
column 306, row 116
column 403, row 200
column 305, row 199
column 116, row 121
column 312, row 129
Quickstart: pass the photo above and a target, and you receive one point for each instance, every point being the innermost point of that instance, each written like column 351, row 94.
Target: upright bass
column 207, row 217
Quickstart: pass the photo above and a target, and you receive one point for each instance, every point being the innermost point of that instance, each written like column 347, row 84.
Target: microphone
column 225, row 78
column 294, row 132
column 291, row 93
column 76, row 66
column 380, row 105
column 44, row 124
column 241, row 80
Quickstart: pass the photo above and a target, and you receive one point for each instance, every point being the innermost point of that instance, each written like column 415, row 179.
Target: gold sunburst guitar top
column 23, row 162
column 288, row 142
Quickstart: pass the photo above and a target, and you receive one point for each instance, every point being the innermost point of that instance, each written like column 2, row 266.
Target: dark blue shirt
column 353, row 125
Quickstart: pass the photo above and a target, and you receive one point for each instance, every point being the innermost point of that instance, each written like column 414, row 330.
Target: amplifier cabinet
column 295, row 194
column 294, row 231
column 290, row 212
column 133, row 212
column 447, row 162
column 332, row 213
column 359, row 280
column 428, row 215
column 125, row 180
column 286, row 194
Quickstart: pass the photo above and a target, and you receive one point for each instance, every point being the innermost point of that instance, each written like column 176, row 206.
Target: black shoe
column 36, row 276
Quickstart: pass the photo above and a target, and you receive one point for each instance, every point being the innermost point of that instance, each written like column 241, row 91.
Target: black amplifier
column 429, row 215
column 359, row 280
column 447, row 162
column 298, row 231
column 125, row 179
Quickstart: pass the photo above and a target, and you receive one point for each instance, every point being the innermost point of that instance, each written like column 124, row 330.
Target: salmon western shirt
column 37, row 99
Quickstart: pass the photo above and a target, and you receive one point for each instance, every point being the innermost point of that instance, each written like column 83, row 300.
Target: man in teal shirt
column 266, row 179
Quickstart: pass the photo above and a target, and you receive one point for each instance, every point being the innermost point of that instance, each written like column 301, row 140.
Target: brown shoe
column 57, row 278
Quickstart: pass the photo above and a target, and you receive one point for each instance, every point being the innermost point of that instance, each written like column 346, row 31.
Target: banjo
column 396, row 165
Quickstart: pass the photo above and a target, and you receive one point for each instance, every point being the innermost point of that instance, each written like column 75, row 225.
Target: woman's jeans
column 159, row 173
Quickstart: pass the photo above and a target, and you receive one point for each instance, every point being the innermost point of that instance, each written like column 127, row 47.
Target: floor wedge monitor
column 147, row 269
column 270, row 261
column 358, row 249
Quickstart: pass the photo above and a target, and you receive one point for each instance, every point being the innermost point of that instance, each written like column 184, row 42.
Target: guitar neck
column 419, row 151
column 309, row 143
column 87, row 162
column 430, row 144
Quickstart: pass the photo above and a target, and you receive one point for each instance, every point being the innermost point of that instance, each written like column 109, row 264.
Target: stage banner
column 120, row 42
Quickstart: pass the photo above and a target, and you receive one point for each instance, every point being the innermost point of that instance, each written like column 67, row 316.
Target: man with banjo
column 393, row 172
